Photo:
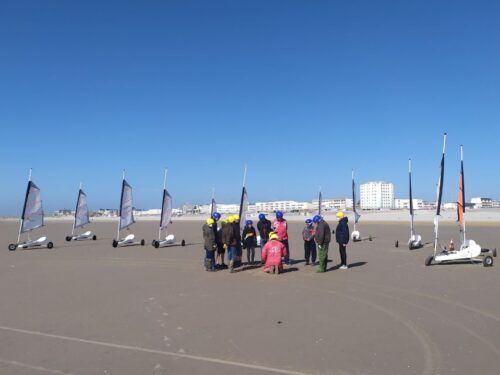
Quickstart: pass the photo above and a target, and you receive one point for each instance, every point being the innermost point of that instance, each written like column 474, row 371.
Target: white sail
column 82, row 210
column 126, row 206
column 32, row 217
column 166, row 209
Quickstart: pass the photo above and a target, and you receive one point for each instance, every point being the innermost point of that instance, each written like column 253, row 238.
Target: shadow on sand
column 351, row 265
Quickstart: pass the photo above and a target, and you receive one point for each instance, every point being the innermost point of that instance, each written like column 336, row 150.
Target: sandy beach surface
column 89, row 308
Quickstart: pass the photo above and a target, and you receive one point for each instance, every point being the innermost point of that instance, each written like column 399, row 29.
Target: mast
column 243, row 194
column 163, row 200
column 320, row 201
column 411, row 201
column 461, row 195
column 212, row 203
column 354, row 200
column 120, row 212
column 439, row 198
column 76, row 209
column 24, row 206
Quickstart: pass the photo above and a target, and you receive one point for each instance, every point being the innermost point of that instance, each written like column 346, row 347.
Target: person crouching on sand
column 249, row 241
column 272, row 254
column 342, row 237
column 309, row 244
column 210, row 244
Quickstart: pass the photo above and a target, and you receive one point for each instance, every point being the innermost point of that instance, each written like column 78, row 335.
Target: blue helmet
column 309, row 221
column 262, row 216
column 216, row 216
column 279, row 215
column 316, row 219
column 249, row 222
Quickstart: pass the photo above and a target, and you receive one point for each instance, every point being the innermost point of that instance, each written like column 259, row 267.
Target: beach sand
column 89, row 308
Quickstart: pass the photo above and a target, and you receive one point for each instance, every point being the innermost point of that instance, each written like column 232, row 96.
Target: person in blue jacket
column 342, row 237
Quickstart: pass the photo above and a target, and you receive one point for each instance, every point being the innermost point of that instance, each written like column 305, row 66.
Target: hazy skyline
column 301, row 92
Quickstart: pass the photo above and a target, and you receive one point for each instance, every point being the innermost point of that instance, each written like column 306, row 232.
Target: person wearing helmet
column 342, row 237
column 309, row 244
column 249, row 241
column 322, row 238
column 280, row 227
column 264, row 227
column 221, row 250
column 229, row 242
column 216, row 216
column 237, row 236
column 272, row 254
column 210, row 244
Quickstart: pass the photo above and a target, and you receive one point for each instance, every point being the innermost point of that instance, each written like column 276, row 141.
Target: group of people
column 275, row 248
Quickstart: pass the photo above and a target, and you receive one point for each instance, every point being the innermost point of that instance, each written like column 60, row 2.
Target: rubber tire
column 428, row 260
column 142, row 242
column 370, row 238
column 156, row 244
column 494, row 252
column 12, row 247
column 396, row 244
column 487, row 261
column 183, row 243
column 68, row 238
column 50, row 245
column 94, row 237
column 114, row 243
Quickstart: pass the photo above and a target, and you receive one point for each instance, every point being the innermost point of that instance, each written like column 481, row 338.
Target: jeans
column 231, row 253
column 210, row 255
column 323, row 257
column 310, row 251
column 343, row 254
column 250, row 254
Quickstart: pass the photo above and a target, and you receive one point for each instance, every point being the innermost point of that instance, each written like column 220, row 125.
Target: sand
column 88, row 308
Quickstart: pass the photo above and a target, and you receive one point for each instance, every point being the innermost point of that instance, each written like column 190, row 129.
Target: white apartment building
column 404, row 204
column 285, row 206
column 485, row 203
column 376, row 195
column 222, row 208
column 333, row 204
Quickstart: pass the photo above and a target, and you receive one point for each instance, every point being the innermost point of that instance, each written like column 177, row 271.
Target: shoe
column 320, row 271
column 307, row 263
column 344, row 267
column 224, row 266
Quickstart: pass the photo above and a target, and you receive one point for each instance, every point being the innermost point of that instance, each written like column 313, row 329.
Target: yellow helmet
column 236, row 217
column 340, row 215
column 223, row 222
column 273, row 236
column 231, row 219
column 210, row 221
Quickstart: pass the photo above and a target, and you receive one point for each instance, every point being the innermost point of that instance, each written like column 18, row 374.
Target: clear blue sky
column 301, row 91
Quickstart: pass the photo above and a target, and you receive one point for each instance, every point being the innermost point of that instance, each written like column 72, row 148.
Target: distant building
column 377, row 195
column 404, row 204
column 285, row 206
column 485, row 203
column 333, row 204
column 64, row 212
column 204, row 209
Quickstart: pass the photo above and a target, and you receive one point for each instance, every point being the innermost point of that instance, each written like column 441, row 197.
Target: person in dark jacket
column 309, row 244
column 342, row 237
column 264, row 227
column 237, row 236
column 210, row 244
column 221, row 250
column 322, row 238
column 249, row 241
column 229, row 242
column 216, row 216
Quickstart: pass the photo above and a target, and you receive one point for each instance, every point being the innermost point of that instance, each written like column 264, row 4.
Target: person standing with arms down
column 229, row 242
column 210, row 244
column 322, row 238
column 342, row 237
column 249, row 241
column 265, row 227
column 280, row 227
column 309, row 244
column 221, row 251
